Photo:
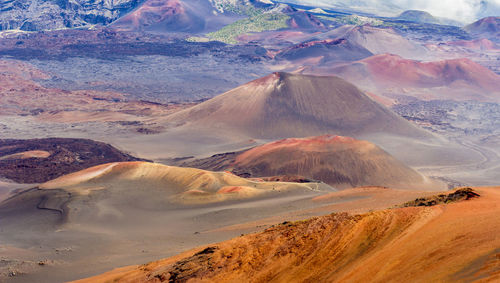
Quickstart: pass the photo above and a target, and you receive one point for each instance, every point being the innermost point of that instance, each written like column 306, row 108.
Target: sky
column 465, row 11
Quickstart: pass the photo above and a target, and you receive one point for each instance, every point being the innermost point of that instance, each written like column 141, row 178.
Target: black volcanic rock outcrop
column 36, row 15
column 40, row 160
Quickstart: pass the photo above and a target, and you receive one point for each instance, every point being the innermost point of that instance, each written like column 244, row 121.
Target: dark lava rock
column 66, row 156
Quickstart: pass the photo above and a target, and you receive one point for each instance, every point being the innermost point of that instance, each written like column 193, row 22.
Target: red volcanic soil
column 304, row 144
column 458, row 79
column 292, row 105
column 150, row 13
column 481, row 44
column 335, row 160
column 453, row 242
column 230, row 189
column 338, row 161
column 173, row 16
column 388, row 67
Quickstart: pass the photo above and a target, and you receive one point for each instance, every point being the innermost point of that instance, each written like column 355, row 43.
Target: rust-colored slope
column 338, row 161
column 412, row 73
column 443, row 243
column 190, row 16
column 457, row 79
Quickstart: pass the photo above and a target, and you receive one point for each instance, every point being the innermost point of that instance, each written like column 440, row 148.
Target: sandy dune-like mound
column 40, row 160
column 457, row 79
column 177, row 182
column 440, row 243
column 156, row 184
column 26, row 154
column 339, row 161
column 290, row 105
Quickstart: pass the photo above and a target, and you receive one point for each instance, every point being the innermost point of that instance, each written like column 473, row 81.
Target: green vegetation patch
column 352, row 20
column 258, row 23
column 241, row 9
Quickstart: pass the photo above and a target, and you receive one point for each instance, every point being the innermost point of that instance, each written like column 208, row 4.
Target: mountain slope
column 36, row 15
column 290, row 105
column 155, row 184
column 440, row 243
column 456, row 79
column 384, row 40
column 487, row 27
column 149, row 15
column 178, row 16
column 338, row 161
column 329, row 50
column 418, row 17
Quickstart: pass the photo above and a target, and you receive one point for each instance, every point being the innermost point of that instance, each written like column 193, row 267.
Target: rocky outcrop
column 35, row 15
column 40, row 160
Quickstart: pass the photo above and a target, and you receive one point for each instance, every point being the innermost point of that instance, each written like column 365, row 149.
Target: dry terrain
column 430, row 243
column 338, row 161
column 136, row 212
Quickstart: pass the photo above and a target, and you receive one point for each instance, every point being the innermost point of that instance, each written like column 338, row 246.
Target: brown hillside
column 290, row 105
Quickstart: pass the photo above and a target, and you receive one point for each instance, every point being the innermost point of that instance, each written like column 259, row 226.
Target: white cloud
column 460, row 10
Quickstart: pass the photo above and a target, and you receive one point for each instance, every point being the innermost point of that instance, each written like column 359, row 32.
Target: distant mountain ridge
column 485, row 28
column 37, row 15
column 418, row 16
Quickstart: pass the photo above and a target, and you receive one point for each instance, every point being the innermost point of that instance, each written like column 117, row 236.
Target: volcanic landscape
column 248, row 141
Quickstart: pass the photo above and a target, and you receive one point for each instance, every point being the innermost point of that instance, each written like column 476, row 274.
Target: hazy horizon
column 464, row 11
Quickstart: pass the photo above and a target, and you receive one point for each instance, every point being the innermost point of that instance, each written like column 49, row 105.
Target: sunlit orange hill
column 453, row 242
